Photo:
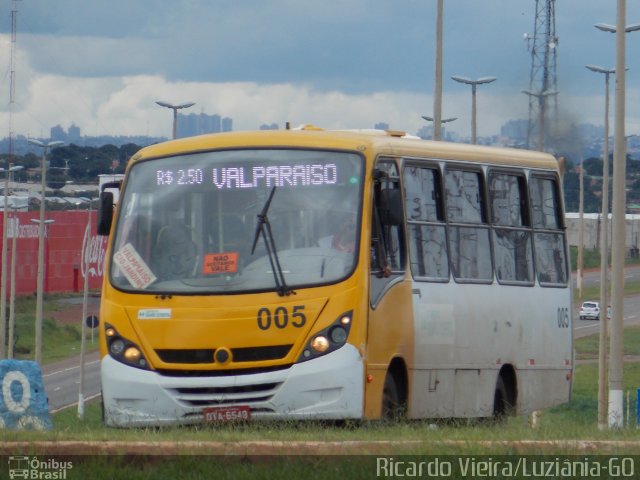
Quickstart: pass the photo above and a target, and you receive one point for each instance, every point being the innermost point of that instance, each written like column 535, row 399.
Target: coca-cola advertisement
column 72, row 251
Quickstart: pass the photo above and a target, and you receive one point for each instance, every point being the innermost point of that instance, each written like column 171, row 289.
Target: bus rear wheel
column 501, row 400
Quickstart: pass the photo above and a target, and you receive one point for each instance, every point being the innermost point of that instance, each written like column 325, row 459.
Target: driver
column 344, row 240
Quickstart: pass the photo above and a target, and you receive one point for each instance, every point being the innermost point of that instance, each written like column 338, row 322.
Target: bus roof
column 390, row 143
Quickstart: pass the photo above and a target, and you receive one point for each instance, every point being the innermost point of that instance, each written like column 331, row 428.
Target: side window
column 469, row 244
column 388, row 221
column 387, row 230
column 426, row 228
column 548, row 231
column 511, row 233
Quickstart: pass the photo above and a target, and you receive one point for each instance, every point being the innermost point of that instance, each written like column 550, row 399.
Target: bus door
column 390, row 329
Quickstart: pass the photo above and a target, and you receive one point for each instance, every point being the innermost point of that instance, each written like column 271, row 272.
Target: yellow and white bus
column 308, row 274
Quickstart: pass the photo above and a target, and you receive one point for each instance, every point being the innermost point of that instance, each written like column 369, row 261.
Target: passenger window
column 545, row 207
column 464, row 192
column 511, row 234
column 551, row 261
column 427, row 234
column 508, row 199
column 469, row 244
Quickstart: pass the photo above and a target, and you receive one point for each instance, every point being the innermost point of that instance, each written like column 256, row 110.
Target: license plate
column 227, row 414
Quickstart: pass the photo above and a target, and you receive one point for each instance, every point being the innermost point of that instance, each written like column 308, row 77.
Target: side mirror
column 105, row 213
column 391, row 207
column 106, row 206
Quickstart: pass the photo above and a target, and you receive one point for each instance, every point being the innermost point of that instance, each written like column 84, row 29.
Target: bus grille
column 220, row 373
column 203, row 356
column 215, row 396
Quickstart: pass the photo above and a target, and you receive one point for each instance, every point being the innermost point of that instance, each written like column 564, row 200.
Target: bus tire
column 391, row 405
column 501, row 405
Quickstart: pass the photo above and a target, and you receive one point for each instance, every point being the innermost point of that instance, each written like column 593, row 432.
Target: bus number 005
column 563, row 317
column 279, row 318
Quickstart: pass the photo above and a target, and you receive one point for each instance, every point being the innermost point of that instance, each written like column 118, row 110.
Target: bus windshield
column 196, row 223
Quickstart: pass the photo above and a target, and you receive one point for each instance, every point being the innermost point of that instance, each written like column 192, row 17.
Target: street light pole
column 12, row 294
column 41, row 225
column 437, row 97
column 605, row 27
column 83, row 340
column 3, row 274
column 474, row 84
column 616, row 364
column 604, row 257
column 175, row 109
column 436, row 122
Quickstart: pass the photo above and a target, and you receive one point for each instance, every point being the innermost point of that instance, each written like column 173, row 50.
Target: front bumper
column 329, row 387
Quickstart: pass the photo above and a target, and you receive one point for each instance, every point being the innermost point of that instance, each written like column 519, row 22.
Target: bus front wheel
column 391, row 405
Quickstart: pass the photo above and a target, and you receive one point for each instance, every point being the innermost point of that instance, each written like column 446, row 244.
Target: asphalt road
column 591, row 278
column 62, row 381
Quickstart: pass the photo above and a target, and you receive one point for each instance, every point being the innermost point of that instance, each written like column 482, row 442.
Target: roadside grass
column 59, row 341
column 593, row 293
column 574, row 423
column 591, row 258
column 576, row 420
column 588, row 347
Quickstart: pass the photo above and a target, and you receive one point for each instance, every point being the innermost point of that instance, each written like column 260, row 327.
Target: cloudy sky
column 337, row 64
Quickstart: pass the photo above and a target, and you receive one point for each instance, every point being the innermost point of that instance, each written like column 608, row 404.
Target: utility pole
column 603, row 398
column 437, row 96
column 581, row 229
column 616, row 363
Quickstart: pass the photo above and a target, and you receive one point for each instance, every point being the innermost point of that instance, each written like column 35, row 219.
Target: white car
column 590, row 310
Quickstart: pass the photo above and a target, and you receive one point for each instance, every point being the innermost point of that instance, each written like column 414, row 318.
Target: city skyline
column 512, row 133
column 336, row 65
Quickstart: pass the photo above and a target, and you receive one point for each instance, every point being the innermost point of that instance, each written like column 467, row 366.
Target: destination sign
column 257, row 176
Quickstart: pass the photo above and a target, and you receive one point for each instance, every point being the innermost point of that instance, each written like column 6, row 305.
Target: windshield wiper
column 264, row 227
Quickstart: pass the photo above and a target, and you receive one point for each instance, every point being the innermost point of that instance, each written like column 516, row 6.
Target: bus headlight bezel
column 124, row 350
column 328, row 339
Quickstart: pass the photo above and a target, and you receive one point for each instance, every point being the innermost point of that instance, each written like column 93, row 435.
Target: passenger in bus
column 174, row 253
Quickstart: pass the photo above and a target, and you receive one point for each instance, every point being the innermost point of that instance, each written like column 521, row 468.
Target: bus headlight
column 124, row 350
column 320, row 344
column 329, row 339
column 338, row 335
column 132, row 354
column 116, row 347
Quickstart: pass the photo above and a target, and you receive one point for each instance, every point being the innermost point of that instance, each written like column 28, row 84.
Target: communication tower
column 12, row 84
column 543, row 45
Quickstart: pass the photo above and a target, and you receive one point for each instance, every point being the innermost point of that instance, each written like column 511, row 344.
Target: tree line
column 73, row 163
column 79, row 164
column 593, row 169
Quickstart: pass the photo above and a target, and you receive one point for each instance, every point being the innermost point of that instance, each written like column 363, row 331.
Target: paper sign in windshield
column 216, row 263
column 134, row 267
